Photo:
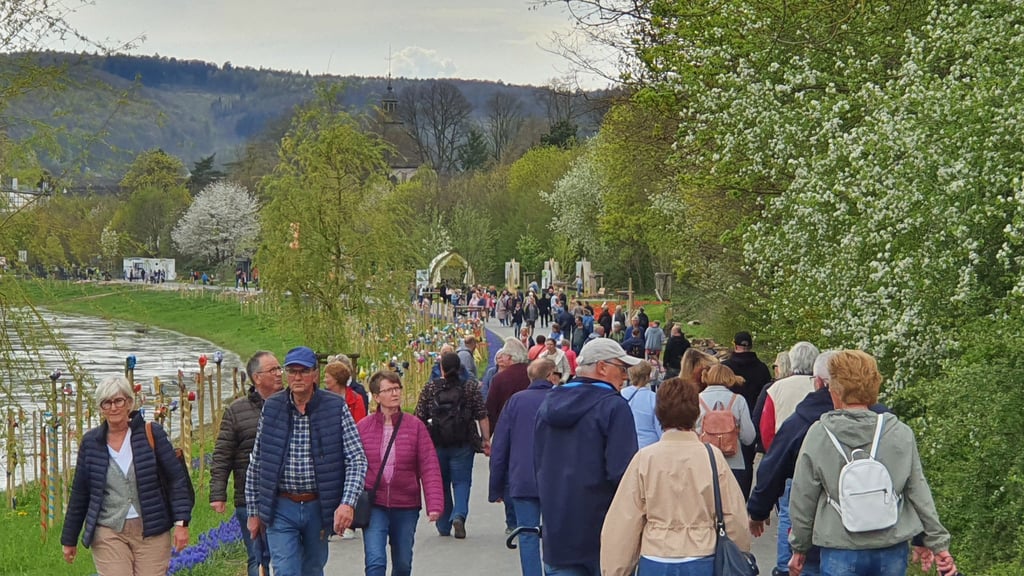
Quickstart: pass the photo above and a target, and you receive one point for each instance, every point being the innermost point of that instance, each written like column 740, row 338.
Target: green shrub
column 969, row 425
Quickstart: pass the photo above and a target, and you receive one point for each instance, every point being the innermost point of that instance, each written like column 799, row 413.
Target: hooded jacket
column 584, row 440
column 816, row 476
column 512, row 447
column 755, row 373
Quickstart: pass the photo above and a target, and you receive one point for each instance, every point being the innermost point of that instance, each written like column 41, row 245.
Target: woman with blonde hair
column 719, row 404
column 642, row 402
column 691, row 364
column 647, row 529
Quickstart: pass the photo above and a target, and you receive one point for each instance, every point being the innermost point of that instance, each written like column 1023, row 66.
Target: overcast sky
column 485, row 39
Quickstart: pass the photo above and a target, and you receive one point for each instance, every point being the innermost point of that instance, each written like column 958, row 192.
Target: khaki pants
column 127, row 553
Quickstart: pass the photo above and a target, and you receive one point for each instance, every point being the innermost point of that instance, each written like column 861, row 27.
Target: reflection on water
column 101, row 346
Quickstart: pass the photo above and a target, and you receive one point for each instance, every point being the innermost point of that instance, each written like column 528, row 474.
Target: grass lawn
column 24, row 552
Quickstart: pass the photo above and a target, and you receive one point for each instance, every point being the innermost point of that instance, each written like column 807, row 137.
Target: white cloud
column 417, row 62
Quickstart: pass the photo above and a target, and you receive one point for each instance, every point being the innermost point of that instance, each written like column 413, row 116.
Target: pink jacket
column 415, row 462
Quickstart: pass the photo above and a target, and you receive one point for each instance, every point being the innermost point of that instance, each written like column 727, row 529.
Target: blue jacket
column 435, row 373
column 326, row 412
column 89, row 485
column 512, row 444
column 584, row 440
column 778, row 464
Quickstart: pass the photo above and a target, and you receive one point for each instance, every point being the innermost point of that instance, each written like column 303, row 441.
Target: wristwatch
column 182, row 523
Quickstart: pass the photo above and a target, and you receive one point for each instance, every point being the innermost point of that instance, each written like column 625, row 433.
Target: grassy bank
column 211, row 315
column 24, row 552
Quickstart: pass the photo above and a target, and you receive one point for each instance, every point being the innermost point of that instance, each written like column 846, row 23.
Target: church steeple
column 389, row 104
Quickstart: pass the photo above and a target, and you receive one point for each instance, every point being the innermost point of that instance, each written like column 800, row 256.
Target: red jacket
column 415, row 464
column 355, row 404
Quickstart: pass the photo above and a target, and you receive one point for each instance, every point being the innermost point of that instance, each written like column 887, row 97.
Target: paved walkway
column 483, row 551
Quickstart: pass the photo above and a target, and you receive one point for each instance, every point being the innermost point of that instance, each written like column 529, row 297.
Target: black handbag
column 364, row 503
column 729, row 559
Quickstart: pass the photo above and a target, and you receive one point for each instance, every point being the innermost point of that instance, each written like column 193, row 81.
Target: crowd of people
column 607, row 455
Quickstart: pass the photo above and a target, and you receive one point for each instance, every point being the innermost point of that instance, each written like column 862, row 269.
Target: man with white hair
column 784, row 395
column 512, row 379
column 775, row 474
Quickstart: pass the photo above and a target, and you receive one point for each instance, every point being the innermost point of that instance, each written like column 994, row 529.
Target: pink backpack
column 719, row 427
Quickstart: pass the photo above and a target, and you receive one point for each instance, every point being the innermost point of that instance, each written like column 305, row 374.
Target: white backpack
column 867, row 500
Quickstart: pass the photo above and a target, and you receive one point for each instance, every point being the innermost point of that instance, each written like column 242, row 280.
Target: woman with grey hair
column 117, row 492
column 785, row 394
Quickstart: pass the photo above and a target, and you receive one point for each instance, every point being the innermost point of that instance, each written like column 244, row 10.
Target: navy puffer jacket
column 326, row 412
column 90, row 482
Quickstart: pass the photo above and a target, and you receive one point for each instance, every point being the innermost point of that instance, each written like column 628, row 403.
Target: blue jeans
column 397, row 527
column 456, row 477
column 891, row 561
column 528, row 514
column 298, row 543
column 782, row 552
column 256, row 550
column 591, row 569
column 703, row 567
column 510, row 511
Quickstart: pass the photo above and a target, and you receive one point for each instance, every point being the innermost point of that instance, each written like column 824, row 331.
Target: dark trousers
column 747, row 479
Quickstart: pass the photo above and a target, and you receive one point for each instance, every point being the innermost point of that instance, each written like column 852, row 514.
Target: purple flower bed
column 209, row 542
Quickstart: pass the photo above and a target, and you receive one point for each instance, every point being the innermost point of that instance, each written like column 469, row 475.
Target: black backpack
column 449, row 423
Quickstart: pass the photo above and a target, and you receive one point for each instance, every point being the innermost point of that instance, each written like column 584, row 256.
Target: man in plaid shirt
column 306, row 472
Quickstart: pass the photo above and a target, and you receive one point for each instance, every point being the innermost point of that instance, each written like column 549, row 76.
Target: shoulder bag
column 364, row 503
column 729, row 559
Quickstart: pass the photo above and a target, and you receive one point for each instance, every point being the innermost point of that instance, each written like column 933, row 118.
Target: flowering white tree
column 221, row 223
column 577, row 203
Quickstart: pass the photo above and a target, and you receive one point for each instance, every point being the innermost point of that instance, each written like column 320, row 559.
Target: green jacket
column 816, row 522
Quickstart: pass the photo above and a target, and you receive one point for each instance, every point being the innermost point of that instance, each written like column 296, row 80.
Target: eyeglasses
column 622, row 367
column 274, row 370
column 118, row 402
column 394, row 390
column 299, row 372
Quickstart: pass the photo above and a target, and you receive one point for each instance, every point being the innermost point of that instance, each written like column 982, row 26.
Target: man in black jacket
column 674, row 350
column 234, row 444
column 744, row 362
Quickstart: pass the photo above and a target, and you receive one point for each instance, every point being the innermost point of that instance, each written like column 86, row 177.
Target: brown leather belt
column 299, row 498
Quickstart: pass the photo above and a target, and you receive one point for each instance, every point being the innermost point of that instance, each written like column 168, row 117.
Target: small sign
column 22, row 255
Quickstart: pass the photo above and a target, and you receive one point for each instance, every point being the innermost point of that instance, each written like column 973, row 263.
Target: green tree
column 203, row 174
column 472, row 236
column 561, row 134
column 148, row 216
column 473, row 153
column 334, row 234
column 153, row 169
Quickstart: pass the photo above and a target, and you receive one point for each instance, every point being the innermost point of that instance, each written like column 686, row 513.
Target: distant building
column 134, row 266
column 15, row 196
column 404, row 158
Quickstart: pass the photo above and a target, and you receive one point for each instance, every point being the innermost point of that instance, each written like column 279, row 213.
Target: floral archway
column 446, row 260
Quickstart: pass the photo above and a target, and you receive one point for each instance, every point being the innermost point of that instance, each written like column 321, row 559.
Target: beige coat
column 665, row 506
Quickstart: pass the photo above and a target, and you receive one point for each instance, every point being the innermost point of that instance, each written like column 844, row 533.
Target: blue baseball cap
column 302, row 356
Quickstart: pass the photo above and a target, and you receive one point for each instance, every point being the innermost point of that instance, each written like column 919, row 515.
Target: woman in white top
column 718, row 379
column 552, row 352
